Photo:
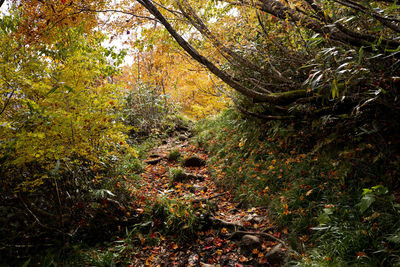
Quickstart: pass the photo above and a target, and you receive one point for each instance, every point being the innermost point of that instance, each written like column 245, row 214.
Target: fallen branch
column 225, row 223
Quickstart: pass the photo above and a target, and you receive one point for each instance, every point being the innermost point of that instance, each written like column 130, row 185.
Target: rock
column 182, row 137
column 250, row 241
column 195, row 177
column 253, row 218
column 242, row 204
column 185, row 176
column 153, row 161
column 179, row 177
column 193, row 161
column 275, row 255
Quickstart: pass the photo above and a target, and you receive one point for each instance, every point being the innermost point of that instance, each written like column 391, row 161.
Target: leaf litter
column 219, row 244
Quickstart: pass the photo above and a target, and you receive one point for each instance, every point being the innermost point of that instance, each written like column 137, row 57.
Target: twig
column 225, row 223
column 38, row 221
column 114, row 11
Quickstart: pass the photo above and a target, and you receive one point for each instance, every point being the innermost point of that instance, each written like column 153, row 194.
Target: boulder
column 182, row 137
column 275, row 255
column 250, row 241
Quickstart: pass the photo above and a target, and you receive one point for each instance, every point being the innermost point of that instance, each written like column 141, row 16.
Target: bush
column 176, row 175
column 148, row 111
column 60, row 137
column 174, row 155
column 313, row 183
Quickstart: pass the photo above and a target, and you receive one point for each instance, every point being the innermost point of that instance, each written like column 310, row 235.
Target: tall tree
column 281, row 53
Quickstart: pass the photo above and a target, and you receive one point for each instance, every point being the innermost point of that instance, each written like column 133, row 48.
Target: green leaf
column 56, row 168
column 69, row 88
column 366, row 191
column 30, row 107
column 335, row 90
column 53, row 90
column 360, row 54
column 26, row 264
column 323, row 218
column 328, row 211
column 379, row 41
column 380, row 190
column 366, row 202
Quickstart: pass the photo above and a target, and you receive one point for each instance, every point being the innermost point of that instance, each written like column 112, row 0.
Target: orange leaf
column 361, row 254
column 309, row 192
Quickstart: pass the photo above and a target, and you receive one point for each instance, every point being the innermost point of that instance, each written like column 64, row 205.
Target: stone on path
column 248, row 243
column 275, row 255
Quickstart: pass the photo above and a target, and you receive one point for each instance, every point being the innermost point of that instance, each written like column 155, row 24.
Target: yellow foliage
column 62, row 108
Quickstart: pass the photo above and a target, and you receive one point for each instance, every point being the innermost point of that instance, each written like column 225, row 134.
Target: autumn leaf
column 361, row 254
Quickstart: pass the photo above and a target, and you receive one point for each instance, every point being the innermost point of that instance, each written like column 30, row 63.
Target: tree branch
column 204, row 61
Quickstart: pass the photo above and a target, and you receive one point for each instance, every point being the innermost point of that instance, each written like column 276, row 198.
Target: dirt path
column 234, row 236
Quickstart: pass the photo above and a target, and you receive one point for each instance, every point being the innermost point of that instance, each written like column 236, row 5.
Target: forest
column 199, row 133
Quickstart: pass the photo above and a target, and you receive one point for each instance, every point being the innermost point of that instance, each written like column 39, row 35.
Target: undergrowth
column 330, row 188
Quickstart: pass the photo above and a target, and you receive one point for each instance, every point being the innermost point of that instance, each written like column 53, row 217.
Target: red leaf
column 63, row 1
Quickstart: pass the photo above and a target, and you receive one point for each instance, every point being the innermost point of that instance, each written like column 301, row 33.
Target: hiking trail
column 234, row 235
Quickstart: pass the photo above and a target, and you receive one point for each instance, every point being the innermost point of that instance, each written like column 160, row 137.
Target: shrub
column 176, row 175
column 327, row 189
column 174, row 155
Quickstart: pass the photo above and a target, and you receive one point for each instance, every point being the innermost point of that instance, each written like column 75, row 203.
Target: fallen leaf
column 309, row 192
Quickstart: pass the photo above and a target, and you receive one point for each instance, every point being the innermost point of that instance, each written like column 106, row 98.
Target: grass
column 174, row 155
column 313, row 183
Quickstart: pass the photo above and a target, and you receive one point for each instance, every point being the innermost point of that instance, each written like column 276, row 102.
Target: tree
column 327, row 51
column 57, row 107
column 293, row 56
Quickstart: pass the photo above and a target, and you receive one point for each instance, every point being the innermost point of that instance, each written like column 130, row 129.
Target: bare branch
column 115, row 11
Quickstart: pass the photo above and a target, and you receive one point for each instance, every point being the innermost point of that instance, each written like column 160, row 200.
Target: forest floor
column 233, row 235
